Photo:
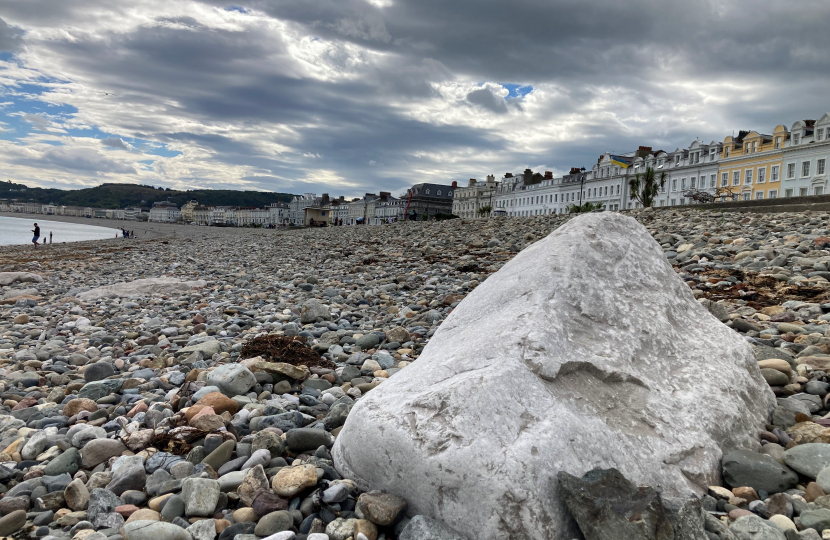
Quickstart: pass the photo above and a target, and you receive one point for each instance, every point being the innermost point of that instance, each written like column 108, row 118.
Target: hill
column 124, row 195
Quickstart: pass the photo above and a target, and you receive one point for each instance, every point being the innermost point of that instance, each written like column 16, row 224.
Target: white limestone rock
column 7, row 278
column 584, row 351
column 142, row 287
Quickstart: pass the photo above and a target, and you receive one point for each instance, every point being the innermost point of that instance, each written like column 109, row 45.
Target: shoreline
column 146, row 228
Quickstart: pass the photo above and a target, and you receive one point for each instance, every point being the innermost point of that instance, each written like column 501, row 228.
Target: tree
column 585, row 207
column 484, row 210
column 645, row 186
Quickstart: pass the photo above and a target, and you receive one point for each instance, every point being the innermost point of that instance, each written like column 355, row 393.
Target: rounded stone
column 274, row 523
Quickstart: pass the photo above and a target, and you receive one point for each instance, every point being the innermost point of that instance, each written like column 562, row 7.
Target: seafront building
column 468, row 201
column 164, row 212
column 805, row 158
column 752, row 165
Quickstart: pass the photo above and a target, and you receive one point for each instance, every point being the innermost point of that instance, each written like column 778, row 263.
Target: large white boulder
column 142, row 287
column 584, row 351
column 7, row 278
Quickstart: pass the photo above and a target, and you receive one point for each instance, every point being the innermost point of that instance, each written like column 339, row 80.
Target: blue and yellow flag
column 620, row 162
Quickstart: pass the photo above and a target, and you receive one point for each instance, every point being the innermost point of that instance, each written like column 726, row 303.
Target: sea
column 19, row 231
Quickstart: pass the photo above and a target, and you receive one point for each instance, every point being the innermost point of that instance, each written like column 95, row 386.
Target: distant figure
column 50, row 237
column 36, row 232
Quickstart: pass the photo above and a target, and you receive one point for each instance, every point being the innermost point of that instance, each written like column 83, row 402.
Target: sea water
column 19, row 231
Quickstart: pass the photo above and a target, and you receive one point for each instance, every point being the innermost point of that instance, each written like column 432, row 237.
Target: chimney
column 548, row 175
column 574, row 170
column 454, row 184
column 472, row 182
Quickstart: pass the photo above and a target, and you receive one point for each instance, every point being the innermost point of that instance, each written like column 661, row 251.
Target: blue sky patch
column 517, row 90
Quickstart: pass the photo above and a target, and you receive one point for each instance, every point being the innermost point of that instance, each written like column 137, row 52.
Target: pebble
column 135, row 370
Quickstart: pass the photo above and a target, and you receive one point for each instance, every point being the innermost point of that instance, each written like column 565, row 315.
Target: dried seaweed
column 289, row 350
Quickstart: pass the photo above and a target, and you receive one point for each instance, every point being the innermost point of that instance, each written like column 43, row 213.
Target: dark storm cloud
column 400, row 82
column 115, row 142
column 484, row 97
column 10, row 38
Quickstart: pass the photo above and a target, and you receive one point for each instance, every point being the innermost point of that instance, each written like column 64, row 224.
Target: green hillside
column 123, row 195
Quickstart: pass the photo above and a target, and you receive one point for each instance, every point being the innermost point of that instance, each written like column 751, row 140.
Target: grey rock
column 98, row 371
column 173, row 508
column 12, row 523
column 128, row 477
column 606, row 506
column 101, row 503
column 99, row 450
column 200, row 496
column 808, row 459
column 758, row 471
column 424, row 528
column 154, row 530
column 302, row 439
column 597, row 275
column 232, row 379
column 818, row 519
column 755, row 528
column 274, row 522
column 68, row 462
column 203, row 530
column 312, row 309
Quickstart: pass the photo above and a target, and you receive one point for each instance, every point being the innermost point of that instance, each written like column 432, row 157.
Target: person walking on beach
column 36, row 232
column 50, row 237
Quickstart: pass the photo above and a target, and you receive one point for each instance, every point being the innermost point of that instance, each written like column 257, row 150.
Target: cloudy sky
column 353, row 96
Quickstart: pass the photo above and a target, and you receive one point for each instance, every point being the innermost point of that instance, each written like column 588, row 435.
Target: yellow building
column 188, row 211
column 750, row 164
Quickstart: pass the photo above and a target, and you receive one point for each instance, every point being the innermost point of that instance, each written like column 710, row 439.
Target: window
column 618, row 189
column 820, row 134
column 682, row 200
column 724, row 180
column 818, row 191
column 790, row 170
column 754, row 146
column 746, row 196
column 759, row 195
column 788, row 192
column 713, row 181
column 796, row 138
column 736, row 178
column 682, row 183
column 777, row 146
column 748, row 176
column 673, row 202
column 676, row 161
column 774, row 174
column 773, row 193
column 802, row 192
column 674, row 185
column 726, row 152
column 747, row 148
column 820, row 167
column 449, row 193
column 805, row 168
column 439, row 192
column 427, row 192
column 762, row 175
column 692, row 183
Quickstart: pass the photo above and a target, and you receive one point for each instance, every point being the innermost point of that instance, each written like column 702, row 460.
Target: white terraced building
column 164, row 212
column 806, row 158
column 468, row 200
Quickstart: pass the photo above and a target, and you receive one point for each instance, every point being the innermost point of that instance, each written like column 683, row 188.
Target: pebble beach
column 189, row 384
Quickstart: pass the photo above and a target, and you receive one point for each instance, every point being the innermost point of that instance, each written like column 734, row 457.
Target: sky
column 353, row 96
